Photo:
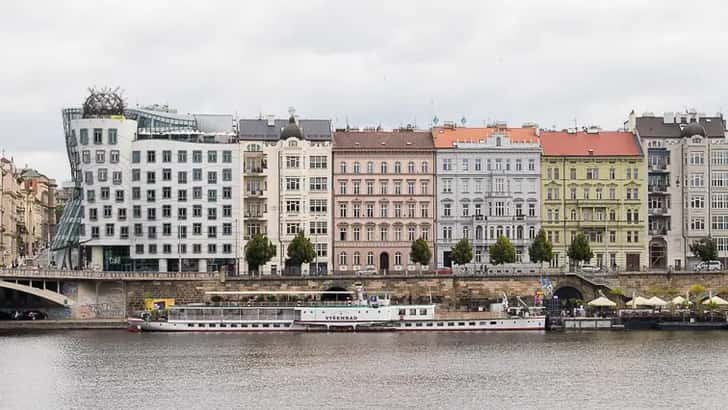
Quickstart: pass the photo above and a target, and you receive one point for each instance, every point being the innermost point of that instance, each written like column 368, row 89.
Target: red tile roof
column 444, row 137
column 603, row 143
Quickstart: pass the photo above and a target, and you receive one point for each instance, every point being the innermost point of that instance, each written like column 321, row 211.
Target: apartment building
column 488, row 185
column 383, row 198
column 594, row 182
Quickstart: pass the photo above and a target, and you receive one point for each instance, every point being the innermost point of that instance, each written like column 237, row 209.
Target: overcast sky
column 389, row 63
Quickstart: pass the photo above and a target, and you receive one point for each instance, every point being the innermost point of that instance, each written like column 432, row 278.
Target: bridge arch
column 46, row 294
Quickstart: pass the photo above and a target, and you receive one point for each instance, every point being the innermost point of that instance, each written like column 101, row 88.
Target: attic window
column 409, row 142
column 383, row 143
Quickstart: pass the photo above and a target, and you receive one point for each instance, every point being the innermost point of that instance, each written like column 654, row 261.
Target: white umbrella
column 655, row 301
column 679, row 300
column 602, row 302
column 639, row 301
column 715, row 299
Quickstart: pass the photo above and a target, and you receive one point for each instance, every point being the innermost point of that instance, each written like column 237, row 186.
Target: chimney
column 591, row 152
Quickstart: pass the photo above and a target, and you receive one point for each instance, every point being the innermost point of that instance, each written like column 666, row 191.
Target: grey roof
column 259, row 130
column 383, row 140
column 657, row 128
column 214, row 123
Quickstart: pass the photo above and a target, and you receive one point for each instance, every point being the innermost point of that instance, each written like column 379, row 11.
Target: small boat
column 364, row 313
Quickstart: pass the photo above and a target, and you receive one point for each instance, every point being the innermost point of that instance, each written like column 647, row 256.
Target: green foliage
column 540, row 250
column 616, row 291
column 258, row 251
column 697, row 289
column 705, row 249
column 579, row 249
column 462, row 252
column 300, row 250
column 420, row 252
column 502, row 252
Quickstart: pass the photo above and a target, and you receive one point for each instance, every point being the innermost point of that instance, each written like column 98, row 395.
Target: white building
column 155, row 190
column 488, row 185
column 286, row 178
column 688, row 184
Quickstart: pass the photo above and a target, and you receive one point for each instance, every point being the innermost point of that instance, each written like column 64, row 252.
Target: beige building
column 383, row 198
column 27, row 212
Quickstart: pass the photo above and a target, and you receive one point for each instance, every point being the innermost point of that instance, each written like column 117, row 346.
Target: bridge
column 43, row 292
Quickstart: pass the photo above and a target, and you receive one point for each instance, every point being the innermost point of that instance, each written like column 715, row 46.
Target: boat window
column 243, row 325
column 493, row 323
column 408, row 324
column 254, row 325
column 223, row 325
column 423, row 312
column 190, row 325
column 265, row 325
column 211, row 325
column 413, row 312
column 200, row 325
column 233, row 325
column 440, row 324
column 482, row 323
column 461, row 323
column 429, row 324
column 402, row 312
column 276, row 325
column 471, row 323
column 450, row 324
column 418, row 324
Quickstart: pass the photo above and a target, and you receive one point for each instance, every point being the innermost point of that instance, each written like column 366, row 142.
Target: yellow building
column 595, row 182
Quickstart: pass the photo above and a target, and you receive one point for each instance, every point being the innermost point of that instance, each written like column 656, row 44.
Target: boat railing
column 276, row 304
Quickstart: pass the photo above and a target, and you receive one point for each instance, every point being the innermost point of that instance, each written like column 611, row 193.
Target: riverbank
column 85, row 324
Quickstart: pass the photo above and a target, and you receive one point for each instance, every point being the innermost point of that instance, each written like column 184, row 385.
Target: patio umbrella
column 638, row 301
column 655, row 301
column 602, row 302
column 715, row 299
column 679, row 300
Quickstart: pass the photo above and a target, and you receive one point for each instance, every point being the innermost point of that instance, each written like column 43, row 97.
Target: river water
column 116, row 369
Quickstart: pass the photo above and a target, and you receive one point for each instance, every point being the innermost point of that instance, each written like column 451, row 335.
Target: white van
column 709, row 266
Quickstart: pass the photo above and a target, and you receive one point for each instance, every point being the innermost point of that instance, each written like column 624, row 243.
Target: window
column 342, row 258
column 293, row 183
column 227, row 157
column 318, row 205
column 424, row 167
column 211, row 213
column 151, row 157
column 318, row 162
column 697, row 180
column 357, row 167
column 182, row 177
column 211, row 195
column 342, row 209
column 103, row 174
column 447, row 186
column 98, row 138
column 181, row 156
column 166, row 156
column 119, row 196
column 592, row 173
column 227, row 211
column 83, row 136
column 696, row 157
column 397, row 167
column 447, row 164
column 719, row 179
column 151, row 177
column 370, row 167
column 318, row 184
column 100, row 156
column 531, row 165
column 318, row 228
column 292, row 228
column 719, row 157
column 114, row 156
column 293, row 162
column 697, row 202
column 342, row 167
column 212, row 177
column 182, row 195
column 197, row 156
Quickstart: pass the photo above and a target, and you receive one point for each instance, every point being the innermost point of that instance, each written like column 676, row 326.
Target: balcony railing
column 658, row 211
column 657, row 188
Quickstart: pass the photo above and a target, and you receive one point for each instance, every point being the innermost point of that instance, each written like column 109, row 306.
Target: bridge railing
column 106, row 275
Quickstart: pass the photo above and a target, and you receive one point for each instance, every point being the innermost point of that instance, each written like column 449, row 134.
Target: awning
column 715, row 299
column 655, row 301
column 638, row 301
column 602, row 302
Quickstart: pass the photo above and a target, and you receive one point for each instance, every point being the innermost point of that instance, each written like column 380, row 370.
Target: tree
column 579, row 249
column 705, row 249
column 462, row 252
column 540, row 250
column 300, row 250
column 502, row 252
column 258, row 251
column 420, row 252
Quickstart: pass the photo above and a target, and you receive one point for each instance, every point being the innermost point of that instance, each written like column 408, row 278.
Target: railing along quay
column 106, row 275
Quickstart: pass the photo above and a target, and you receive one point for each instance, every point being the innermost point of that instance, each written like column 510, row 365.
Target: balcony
column 658, row 211
column 661, row 231
column 254, row 170
column 658, row 188
column 256, row 194
column 659, row 167
column 254, row 215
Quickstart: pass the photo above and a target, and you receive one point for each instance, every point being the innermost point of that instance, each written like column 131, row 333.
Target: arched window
column 508, row 232
column 425, row 167
column 342, row 167
column 397, row 258
column 573, row 214
column 253, row 148
column 342, row 259
column 397, row 167
column 478, row 232
column 357, row 258
column 466, row 232
column 383, row 167
column 497, row 142
column 411, row 167
column 370, row 167
column 357, row 167
column 292, row 143
column 370, row 258
column 499, row 231
column 519, row 232
column 531, row 232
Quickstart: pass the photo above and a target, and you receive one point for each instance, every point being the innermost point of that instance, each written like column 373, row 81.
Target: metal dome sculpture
column 103, row 102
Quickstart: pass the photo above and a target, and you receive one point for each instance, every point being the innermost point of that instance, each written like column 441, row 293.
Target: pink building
column 383, row 198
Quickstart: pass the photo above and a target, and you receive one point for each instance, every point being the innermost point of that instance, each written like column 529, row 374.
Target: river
column 116, row 369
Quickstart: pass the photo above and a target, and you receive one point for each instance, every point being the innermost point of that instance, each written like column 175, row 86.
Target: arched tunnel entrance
column 334, row 296
column 568, row 296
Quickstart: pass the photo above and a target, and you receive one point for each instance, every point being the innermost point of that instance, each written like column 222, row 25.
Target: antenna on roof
column 463, row 120
column 435, row 120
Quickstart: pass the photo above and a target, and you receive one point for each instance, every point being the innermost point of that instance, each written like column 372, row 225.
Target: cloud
column 381, row 62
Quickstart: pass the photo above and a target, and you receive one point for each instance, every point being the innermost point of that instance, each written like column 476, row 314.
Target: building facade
column 383, row 198
column 154, row 190
column 286, row 179
column 488, row 185
column 594, row 182
column 687, row 157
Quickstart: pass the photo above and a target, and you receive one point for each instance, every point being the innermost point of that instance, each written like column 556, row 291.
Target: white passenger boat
column 361, row 314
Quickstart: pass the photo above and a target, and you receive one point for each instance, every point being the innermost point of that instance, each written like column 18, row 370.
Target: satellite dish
column 435, row 120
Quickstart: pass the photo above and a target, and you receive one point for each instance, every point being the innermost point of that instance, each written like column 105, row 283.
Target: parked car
column 34, row 315
column 591, row 268
column 367, row 270
column 709, row 266
column 443, row 271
